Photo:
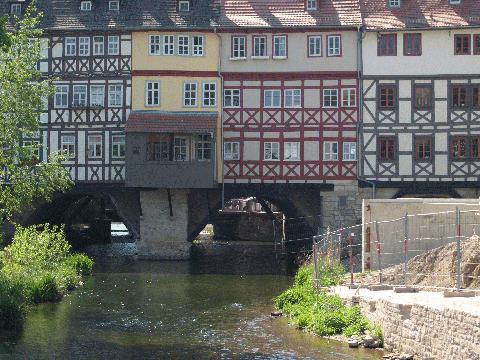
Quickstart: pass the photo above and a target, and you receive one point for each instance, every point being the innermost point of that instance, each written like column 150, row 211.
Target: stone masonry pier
column 424, row 324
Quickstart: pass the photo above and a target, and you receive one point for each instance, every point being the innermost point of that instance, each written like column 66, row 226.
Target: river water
column 169, row 310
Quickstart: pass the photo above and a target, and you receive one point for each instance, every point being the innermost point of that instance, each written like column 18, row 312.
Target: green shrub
column 66, row 278
column 43, row 288
column 82, row 264
column 12, row 312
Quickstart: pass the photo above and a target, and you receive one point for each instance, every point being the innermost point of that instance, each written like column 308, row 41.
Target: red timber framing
column 310, row 126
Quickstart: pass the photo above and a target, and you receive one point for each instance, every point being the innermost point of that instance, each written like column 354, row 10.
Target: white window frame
column 455, row 2
column 62, row 95
column 280, row 52
column 115, row 92
column 97, row 95
column 347, row 97
column 274, row 147
column 154, row 44
column 114, row 45
column 16, row 9
column 118, row 146
column 239, row 47
column 231, row 94
column 330, row 95
column 114, row 5
column 198, row 45
column 168, row 45
column 328, row 151
column 84, row 46
column 80, row 95
column 86, row 5
column 95, row 148
column 203, row 146
column 209, row 94
column 188, row 99
column 317, row 47
column 334, row 48
column 257, row 46
column 70, row 46
column 184, row 5
column 289, row 148
column 68, row 148
column 176, row 148
column 348, row 147
column 292, row 98
column 272, row 103
column 98, row 45
column 183, row 48
column 231, row 150
column 152, row 88
column 311, row 5
column 394, row 3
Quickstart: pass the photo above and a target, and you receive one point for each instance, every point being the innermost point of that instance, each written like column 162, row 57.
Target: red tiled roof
column 165, row 122
column 288, row 13
column 419, row 14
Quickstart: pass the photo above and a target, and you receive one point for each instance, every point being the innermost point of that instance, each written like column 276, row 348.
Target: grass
column 37, row 268
column 318, row 311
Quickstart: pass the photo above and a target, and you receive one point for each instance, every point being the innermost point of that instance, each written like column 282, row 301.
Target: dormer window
column 114, row 5
column 455, row 2
column 394, row 3
column 16, row 9
column 311, row 5
column 86, row 5
column 184, row 6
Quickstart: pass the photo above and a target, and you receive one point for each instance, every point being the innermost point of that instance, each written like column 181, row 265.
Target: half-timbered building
column 421, row 96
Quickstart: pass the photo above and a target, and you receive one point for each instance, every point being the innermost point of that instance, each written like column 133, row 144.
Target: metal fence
column 434, row 250
column 294, row 235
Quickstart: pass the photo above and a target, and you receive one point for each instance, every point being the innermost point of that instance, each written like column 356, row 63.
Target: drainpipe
column 220, row 75
column 361, row 36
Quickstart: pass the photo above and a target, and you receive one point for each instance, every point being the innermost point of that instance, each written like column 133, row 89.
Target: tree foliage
column 23, row 93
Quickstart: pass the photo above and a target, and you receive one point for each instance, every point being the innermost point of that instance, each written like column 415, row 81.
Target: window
column 231, row 151
column 94, row 146
column 291, row 151
column 113, row 45
column 180, row 149
column 272, row 98
column 190, row 94
column 84, row 46
column 349, row 97
column 183, row 45
column 113, row 5
column 462, row 44
column 412, row 44
column 115, row 98
column 476, row 44
column 231, row 98
column 98, row 45
column 349, row 151
column 210, row 94
column 168, row 45
column 67, row 145
column 70, row 46
column 280, row 46
column 423, row 96
column 239, row 47
column 394, row 3
column 271, row 151
column 330, row 151
column 203, row 148
column 86, row 5
column 158, row 149
column 388, row 98
column 455, row 2
column 198, row 41
column 334, row 45
column 459, row 148
column 459, row 96
column 97, row 95
column 475, row 148
column 387, row 147
column 311, row 5
column 79, row 95
column 423, row 148
column 118, row 146
column 259, row 46
column 476, row 97
column 154, row 44
column 184, row 5
column 315, row 45
column 61, row 96
column 16, row 9
column 293, row 98
column 153, row 93
column 330, row 98
column 387, row 45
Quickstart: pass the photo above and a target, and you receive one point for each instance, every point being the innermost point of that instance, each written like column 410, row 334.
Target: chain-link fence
column 433, row 250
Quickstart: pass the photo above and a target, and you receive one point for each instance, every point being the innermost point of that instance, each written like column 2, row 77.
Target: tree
column 24, row 179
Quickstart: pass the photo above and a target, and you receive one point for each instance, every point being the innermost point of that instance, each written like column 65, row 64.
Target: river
column 169, row 310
